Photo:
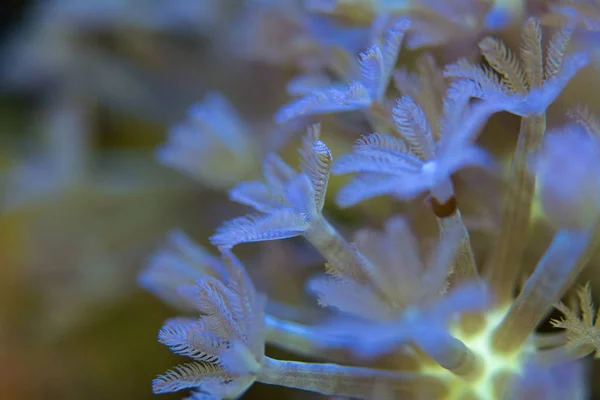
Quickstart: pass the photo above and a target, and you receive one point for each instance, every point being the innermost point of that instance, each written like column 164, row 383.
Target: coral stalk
column 553, row 275
column 356, row 382
column 299, row 339
column 506, row 257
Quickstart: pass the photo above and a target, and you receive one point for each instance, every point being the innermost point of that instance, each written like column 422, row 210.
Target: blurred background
column 88, row 91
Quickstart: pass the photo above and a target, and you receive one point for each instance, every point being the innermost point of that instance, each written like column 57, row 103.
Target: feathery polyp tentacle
column 377, row 66
column 465, row 268
column 531, row 52
column 556, row 51
column 375, row 160
column 388, row 167
column 528, row 86
column 582, row 331
column 191, row 340
column 226, row 341
column 369, row 185
column 184, row 376
column 539, row 99
column 416, row 325
column 390, row 48
column 276, row 173
column 378, row 153
column 212, row 145
column 427, row 88
column 300, row 194
column 506, row 63
column 363, row 300
column 333, row 99
column 581, row 115
column 256, row 195
column 371, row 69
column 178, row 262
column 282, row 224
column 487, row 82
column 317, row 162
column 411, row 122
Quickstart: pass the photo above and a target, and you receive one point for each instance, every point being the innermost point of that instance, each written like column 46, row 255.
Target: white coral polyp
column 568, row 174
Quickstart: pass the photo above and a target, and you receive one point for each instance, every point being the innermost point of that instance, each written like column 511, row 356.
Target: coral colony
column 407, row 321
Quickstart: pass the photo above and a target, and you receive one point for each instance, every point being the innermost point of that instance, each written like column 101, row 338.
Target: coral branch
column 505, row 261
column 333, row 379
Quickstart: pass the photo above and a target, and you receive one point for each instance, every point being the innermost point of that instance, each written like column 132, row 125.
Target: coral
column 213, row 146
column 408, row 317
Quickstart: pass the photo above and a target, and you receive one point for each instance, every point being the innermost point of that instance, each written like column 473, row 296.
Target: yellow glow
column 492, row 364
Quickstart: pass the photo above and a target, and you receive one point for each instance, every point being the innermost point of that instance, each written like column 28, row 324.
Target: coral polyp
column 409, row 314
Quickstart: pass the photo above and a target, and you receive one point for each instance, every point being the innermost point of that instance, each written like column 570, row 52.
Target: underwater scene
column 300, row 199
